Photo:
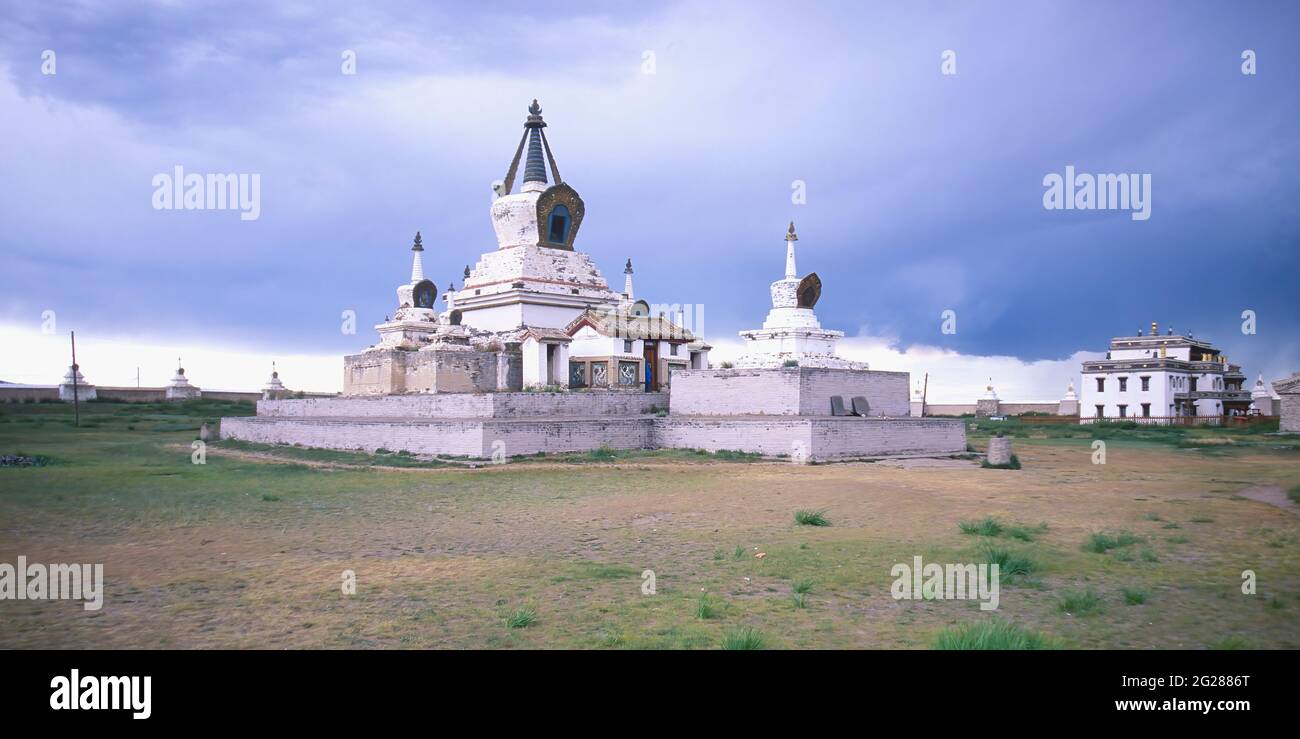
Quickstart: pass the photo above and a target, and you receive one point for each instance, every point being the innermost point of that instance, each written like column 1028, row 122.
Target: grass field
column 250, row 549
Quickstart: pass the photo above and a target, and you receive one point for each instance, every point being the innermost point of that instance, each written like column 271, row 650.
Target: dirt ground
column 251, row 552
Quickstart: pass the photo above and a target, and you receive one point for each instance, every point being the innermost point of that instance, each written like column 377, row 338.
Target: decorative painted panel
column 627, row 373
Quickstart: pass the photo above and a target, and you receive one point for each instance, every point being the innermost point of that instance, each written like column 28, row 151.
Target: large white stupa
column 792, row 332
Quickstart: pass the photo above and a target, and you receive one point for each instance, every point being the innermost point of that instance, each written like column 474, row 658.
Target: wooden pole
column 76, row 401
column 924, row 391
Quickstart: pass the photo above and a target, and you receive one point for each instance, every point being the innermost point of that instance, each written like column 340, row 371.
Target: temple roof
column 624, row 325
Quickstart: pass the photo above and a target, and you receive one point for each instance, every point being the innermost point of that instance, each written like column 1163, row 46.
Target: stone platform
column 513, row 424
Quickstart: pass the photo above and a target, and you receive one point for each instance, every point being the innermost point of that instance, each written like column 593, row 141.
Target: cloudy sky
column 686, row 127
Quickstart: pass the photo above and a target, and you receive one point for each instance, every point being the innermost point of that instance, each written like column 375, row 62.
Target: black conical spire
column 539, row 153
column 535, row 167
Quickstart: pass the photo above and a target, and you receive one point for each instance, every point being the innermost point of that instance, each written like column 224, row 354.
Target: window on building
column 627, row 346
column 1146, row 410
column 1123, row 411
column 1101, row 411
column 557, row 229
column 1146, row 384
column 1123, row 384
column 1192, row 386
column 1101, row 384
column 672, row 349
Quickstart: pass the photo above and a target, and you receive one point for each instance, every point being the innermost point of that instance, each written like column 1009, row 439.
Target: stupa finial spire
column 417, row 262
column 790, row 238
column 539, row 152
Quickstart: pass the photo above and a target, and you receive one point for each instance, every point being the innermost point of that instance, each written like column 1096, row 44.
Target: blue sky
column 924, row 190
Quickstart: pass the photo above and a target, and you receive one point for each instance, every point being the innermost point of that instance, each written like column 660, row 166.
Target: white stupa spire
column 627, row 281
column 417, row 263
column 790, row 271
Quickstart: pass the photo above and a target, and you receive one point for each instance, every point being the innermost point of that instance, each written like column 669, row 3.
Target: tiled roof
column 627, row 326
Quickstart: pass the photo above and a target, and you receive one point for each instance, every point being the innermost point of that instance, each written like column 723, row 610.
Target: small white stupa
column 1070, row 403
column 274, row 389
column 792, row 332
column 1261, row 399
column 83, row 391
column 180, row 388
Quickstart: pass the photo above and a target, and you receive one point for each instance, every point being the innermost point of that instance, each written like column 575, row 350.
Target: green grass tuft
column 985, row 527
column 1080, row 602
column 994, row 634
column 811, row 518
column 802, row 586
column 704, row 608
column 1231, row 642
column 1100, row 543
column 1010, row 564
column 522, row 618
column 1135, row 596
column 742, row 638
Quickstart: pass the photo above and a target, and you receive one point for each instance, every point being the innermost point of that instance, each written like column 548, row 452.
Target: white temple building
column 532, row 313
column 792, row 334
column 1162, row 377
column 535, row 353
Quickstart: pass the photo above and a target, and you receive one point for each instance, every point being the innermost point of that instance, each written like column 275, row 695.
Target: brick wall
column 834, row 438
column 15, row 394
column 724, row 392
column 1290, row 421
column 770, row 436
column 886, row 392
column 786, row 391
column 463, row 437
column 516, row 436
column 468, row 405
column 817, row 438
